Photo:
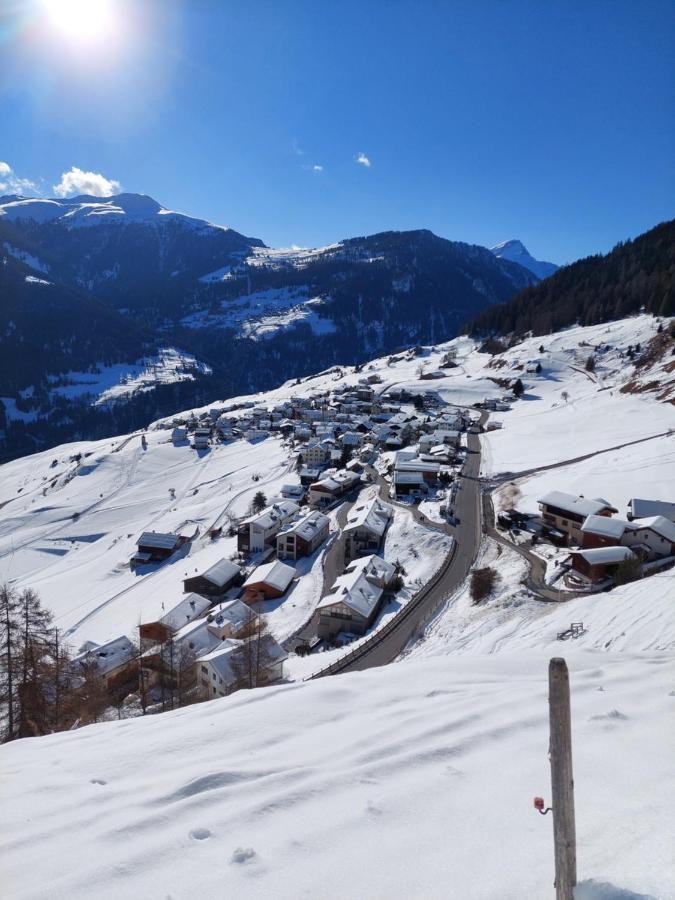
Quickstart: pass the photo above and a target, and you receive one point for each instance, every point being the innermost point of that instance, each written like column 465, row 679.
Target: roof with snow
column 573, row 504
column 277, row 512
column 158, row 540
column 373, row 516
column 109, row 656
column 604, row 526
column 190, row 608
column 604, row 555
column 234, row 612
column 276, row 574
column 308, row 527
column 662, row 526
column 361, row 585
column 220, row 572
column 224, row 658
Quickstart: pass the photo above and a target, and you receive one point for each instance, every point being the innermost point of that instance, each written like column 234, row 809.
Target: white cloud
column 78, row 182
column 363, row 160
column 11, row 182
column 317, row 168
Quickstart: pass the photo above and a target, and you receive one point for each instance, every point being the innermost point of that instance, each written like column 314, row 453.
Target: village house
column 355, row 599
column 179, row 434
column 215, row 580
column 566, row 513
column 315, row 453
column 365, row 528
column 235, row 664
column 188, row 609
column 643, row 509
column 156, row 546
column 410, row 462
column 201, row 439
column 258, row 531
column 333, row 486
column 406, row 483
column 651, row 538
column 115, row 662
column 268, row 582
column 294, row 492
column 598, row 563
column 303, row 537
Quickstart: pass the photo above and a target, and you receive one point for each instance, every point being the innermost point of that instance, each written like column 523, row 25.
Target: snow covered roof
column 603, row 555
column 220, row 572
column 640, row 509
column 277, row 512
column 341, row 479
column 573, row 504
column 605, row 526
column 224, row 658
column 109, row 656
column 236, row 612
column 374, row 516
column 662, row 526
column 190, row 608
column 308, row 527
column 158, row 540
column 361, row 585
column 276, row 574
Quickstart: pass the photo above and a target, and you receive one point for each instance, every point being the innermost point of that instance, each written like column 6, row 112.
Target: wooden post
column 562, row 780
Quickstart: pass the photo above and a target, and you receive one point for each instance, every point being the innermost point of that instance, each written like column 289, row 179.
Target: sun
column 82, row 21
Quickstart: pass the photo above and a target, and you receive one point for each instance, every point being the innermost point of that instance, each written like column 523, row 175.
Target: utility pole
column 562, row 779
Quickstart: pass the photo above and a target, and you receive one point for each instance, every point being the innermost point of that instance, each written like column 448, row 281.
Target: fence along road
column 386, row 644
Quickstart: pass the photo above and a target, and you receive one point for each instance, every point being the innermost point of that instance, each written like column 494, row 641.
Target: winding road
column 387, row 643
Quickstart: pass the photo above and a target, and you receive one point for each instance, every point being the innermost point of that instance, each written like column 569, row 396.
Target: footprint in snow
column 98, row 781
column 200, row 834
column 243, row 855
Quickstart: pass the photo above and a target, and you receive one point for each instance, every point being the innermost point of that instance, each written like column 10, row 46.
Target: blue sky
column 550, row 122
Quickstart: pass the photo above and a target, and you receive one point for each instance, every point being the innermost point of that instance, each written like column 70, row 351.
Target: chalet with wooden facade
column 190, row 608
column 566, row 513
column 215, row 581
column 268, row 582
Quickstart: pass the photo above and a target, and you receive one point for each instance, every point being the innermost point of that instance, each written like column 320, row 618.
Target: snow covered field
column 118, row 489
column 545, row 428
column 412, row 781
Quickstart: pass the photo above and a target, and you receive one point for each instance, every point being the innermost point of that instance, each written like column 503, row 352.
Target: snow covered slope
column 516, row 252
column 412, row 781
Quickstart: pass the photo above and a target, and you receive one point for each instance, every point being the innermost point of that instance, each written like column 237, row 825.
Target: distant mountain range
column 95, row 291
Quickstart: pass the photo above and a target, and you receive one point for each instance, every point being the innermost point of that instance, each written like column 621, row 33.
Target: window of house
column 214, row 676
column 205, row 670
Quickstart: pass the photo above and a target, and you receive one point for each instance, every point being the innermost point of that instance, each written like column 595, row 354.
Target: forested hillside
column 636, row 274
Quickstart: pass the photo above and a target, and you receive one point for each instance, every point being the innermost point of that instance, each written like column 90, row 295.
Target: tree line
column 636, row 275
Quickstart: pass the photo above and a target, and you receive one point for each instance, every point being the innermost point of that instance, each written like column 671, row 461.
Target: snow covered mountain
column 166, row 280
column 516, row 252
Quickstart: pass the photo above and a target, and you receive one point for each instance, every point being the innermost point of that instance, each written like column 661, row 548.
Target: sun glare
column 81, row 20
